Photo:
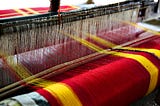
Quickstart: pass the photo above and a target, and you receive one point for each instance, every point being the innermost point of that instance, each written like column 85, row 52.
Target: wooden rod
column 54, row 5
column 90, row 2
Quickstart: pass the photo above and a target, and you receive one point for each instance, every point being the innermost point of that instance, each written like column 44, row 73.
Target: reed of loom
column 38, row 31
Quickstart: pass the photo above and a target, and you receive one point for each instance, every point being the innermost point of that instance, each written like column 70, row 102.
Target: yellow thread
column 31, row 10
column 23, row 72
column 151, row 68
column 143, row 28
column 41, row 82
column 20, row 70
column 112, row 45
column 64, row 93
column 153, row 51
column 148, row 65
column 102, row 41
column 85, row 42
column 21, row 12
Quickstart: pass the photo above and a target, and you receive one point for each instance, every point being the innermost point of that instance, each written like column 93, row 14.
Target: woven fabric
column 30, row 11
column 113, row 80
column 108, row 81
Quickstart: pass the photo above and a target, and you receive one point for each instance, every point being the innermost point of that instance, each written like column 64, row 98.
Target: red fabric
column 110, row 81
column 111, row 84
column 52, row 100
column 151, row 44
column 8, row 13
column 41, row 9
column 11, row 13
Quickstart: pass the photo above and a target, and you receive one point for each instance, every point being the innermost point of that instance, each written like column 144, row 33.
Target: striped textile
column 114, row 80
column 117, row 79
column 30, row 11
column 109, row 81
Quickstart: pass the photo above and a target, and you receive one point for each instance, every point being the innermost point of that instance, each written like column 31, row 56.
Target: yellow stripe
column 31, row 10
column 153, row 51
column 21, row 12
column 64, row 93
column 148, row 65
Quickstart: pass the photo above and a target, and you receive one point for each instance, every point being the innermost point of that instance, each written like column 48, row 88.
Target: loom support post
column 54, row 5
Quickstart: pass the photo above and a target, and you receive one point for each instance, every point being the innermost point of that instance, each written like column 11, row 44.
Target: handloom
column 72, row 58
